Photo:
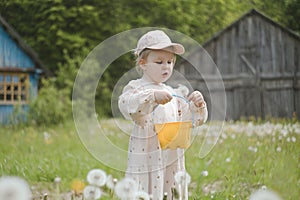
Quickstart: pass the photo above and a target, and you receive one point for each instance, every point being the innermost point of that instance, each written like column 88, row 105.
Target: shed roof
column 27, row 49
column 250, row 13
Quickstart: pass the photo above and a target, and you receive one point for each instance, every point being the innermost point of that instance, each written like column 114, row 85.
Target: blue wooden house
column 20, row 70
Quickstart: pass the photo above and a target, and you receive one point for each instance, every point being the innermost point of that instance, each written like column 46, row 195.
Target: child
column 148, row 101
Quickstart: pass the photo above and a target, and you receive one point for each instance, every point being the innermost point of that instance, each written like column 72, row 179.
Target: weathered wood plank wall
column 259, row 62
column 11, row 54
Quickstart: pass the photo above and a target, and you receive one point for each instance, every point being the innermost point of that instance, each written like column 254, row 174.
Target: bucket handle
column 187, row 101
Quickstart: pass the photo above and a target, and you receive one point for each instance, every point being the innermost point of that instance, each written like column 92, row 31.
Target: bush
column 52, row 106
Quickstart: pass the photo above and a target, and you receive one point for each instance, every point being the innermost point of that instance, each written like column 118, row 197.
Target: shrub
column 52, row 106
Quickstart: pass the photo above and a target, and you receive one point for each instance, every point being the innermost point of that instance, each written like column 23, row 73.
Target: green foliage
column 292, row 15
column 52, row 106
column 51, row 27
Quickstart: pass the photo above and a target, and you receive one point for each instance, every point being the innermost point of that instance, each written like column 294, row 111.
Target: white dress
column 150, row 166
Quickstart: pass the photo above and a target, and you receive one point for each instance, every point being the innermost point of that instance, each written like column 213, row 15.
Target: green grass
column 234, row 168
column 27, row 153
column 274, row 164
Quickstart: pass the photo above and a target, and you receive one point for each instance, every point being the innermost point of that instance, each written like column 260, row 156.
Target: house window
column 14, row 88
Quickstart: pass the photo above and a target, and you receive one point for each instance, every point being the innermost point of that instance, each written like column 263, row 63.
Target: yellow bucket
column 174, row 135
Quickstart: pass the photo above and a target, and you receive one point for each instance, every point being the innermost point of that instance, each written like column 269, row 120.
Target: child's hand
column 162, row 96
column 197, row 98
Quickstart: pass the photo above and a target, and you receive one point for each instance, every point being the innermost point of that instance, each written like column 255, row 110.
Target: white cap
column 158, row 40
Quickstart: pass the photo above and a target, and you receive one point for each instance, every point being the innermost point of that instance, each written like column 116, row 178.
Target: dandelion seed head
column 228, row 159
column 284, row 132
column 110, row 182
column 263, row 187
column 91, row 192
column 57, row 180
column 140, row 195
column 126, row 188
column 115, row 181
column 253, row 149
column 278, row 149
column 264, row 195
column 96, row 177
column 204, row 173
column 14, row 188
column 47, row 138
column 182, row 178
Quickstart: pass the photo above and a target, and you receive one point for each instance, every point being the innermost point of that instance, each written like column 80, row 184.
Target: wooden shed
column 259, row 61
column 20, row 70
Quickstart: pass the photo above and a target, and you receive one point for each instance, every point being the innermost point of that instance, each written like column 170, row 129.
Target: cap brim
column 171, row 47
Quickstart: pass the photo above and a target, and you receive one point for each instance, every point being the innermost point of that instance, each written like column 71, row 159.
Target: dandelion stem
column 45, row 196
column 175, row 194
column 165, row 196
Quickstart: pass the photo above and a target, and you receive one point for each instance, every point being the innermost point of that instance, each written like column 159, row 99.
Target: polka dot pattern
column 150, row 166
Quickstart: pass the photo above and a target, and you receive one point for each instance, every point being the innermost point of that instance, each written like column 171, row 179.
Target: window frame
column 8, row 87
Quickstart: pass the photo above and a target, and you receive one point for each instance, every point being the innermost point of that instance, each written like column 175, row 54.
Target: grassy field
column 246, row 157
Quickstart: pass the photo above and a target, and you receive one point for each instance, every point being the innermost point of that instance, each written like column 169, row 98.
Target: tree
column 292, row 15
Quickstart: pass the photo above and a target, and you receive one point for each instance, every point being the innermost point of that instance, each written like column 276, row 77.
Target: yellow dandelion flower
column 77, row 186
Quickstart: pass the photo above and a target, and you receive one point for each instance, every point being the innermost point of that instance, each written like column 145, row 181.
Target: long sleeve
column 135, row 102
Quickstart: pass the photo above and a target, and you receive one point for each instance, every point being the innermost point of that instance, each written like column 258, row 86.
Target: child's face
column 158, row 66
